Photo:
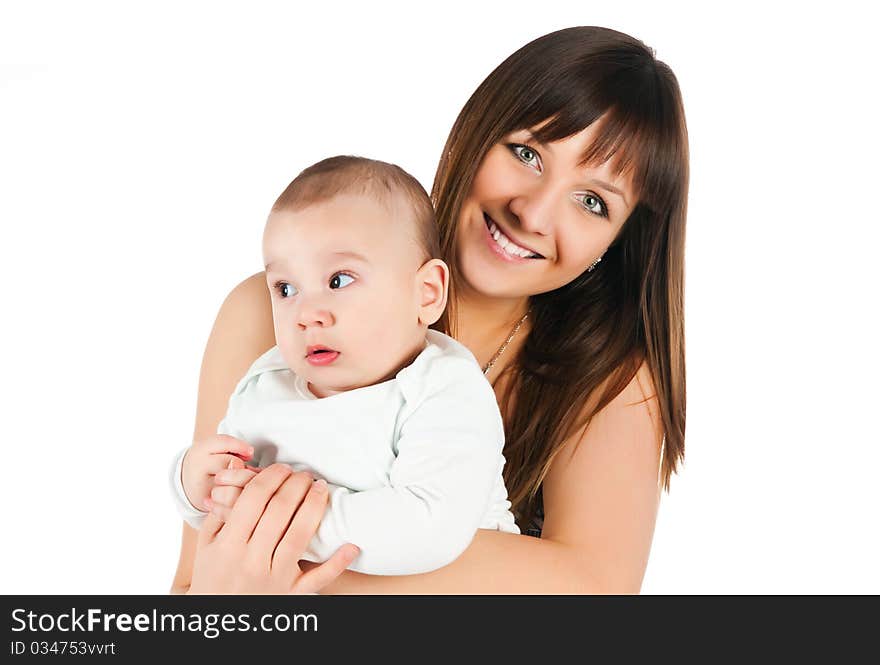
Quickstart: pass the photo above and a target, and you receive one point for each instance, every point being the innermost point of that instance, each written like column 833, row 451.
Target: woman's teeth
column 507, row 244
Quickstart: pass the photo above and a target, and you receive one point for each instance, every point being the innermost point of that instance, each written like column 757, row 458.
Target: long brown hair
column 594, row 332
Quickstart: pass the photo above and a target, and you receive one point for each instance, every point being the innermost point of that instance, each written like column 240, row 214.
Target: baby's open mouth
column 318, row 356
column 318, row 350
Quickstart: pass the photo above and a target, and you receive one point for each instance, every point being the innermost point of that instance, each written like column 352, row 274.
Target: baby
column 397, row 418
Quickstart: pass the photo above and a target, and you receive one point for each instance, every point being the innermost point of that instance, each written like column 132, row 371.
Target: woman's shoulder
column 617, row 436
column 628, row 426
column 249, row 296
column 639, row 389
column 243, row 326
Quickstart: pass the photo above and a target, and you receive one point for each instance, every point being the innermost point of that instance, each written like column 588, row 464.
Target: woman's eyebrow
column 611, row 188
column 531, row 138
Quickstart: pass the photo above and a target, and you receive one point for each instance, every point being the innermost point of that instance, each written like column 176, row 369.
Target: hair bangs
column 640, row 126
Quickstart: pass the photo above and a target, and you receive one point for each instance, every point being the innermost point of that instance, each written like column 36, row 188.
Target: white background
column 141, row 145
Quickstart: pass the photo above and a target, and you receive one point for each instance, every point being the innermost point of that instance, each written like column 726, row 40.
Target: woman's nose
column 536, row 207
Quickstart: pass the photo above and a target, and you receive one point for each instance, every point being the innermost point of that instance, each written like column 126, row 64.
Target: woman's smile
column 503, row 246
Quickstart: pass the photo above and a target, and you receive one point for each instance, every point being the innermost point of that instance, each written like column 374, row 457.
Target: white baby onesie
column 413, row 463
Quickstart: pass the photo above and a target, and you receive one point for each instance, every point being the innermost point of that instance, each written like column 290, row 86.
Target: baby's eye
column 526, row 155
column 285, row 290
column 336, row 281
column 592, row 203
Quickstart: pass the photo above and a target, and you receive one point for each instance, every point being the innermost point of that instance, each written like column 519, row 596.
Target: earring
column 594, row 264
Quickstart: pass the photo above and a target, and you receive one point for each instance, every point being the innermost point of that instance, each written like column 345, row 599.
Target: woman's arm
column 600, row 507
column 242, row 331
column 600, row 501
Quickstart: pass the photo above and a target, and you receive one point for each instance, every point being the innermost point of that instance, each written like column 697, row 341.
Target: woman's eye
column 336, row 282
column 592, row 203
column 285, row 290
column 526, row 155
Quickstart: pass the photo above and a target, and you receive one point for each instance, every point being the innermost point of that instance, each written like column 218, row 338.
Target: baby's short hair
column 349, row 174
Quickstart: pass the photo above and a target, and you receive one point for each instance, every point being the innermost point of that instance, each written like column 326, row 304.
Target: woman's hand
column 257, row 549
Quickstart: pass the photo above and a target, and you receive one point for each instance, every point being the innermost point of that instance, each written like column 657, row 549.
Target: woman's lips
column 497, row 249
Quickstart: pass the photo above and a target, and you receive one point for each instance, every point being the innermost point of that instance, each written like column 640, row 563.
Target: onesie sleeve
column 448, row 458
column 190, row 514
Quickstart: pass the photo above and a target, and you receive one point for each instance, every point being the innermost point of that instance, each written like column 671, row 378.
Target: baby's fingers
column 221, row 443
column 236, row 477
column 218, row 462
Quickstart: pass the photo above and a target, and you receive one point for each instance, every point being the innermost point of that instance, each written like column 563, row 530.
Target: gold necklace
column 504, row 346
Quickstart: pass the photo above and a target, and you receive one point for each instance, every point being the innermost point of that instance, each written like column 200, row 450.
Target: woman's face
column 537, row 197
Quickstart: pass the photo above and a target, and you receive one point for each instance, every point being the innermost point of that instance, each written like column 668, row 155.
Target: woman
column 561, row 199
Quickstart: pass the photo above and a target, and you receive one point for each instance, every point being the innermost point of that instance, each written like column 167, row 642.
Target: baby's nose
column 314, row 316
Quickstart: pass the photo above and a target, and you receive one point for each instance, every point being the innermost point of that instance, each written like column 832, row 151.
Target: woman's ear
column 432, row 281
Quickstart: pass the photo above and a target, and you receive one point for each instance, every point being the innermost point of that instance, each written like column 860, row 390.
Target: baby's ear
column 432, row 281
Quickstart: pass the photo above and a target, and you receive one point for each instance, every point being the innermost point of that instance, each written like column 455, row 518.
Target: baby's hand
column 228, row 485
column 207, row 457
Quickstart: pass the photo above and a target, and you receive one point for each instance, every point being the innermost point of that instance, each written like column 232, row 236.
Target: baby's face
column 342, row 275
